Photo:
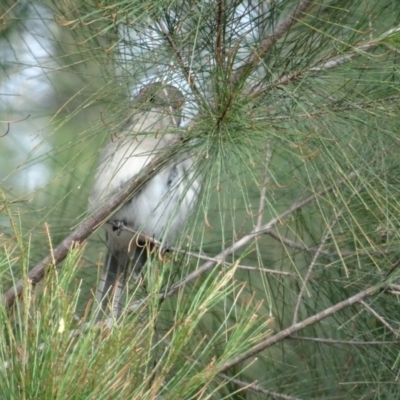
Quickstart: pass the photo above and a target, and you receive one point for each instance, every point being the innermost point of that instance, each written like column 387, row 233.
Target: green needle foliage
column 284, row 283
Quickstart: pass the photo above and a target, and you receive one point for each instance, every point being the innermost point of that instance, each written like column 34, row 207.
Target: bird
column 161, row 207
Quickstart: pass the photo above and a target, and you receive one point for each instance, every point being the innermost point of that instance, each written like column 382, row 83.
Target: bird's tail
column 119, row 269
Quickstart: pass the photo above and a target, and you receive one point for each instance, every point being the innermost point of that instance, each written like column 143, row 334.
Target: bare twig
column 16, row 120
column 219, row 45
column 329, row 109
column 257, row 388
column 12, row 122
column 189, row 78
column 357, row 51
column 268, row 42
column 308, row 275
column 267, row 271
column 325, row 237
column 343, row 342
column 8, row 130
column 393, row 289
column 268, row 156
column 343, row 253
column 336, row 61
column 220, row 258
column 203, row 256
column 91, row 223
column 283, row 334
column 380, row 318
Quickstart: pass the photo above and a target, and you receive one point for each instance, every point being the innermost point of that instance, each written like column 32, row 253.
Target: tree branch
column 90, row 224
column 257, row 388
column 380, row 318
column 283, row 334
column 220, row 258
column 268, row 42
column 343, row 342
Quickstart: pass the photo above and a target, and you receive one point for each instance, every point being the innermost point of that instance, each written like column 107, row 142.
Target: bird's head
column 158, row 95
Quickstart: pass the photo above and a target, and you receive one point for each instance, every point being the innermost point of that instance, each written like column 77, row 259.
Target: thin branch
column 169, row 39
column 257, row 388
column 219, row 45
column 325, row 237
column 393, row 289
column 329, row 109
column 336, row 61
column 329, row 62
column 308, row 275
column 344, row 253
column 359, row 50
column 8, row 130
column 268, row 156
column 295, row 245
column 12, row 122
column 16, row 120
column 268, row 42
column 343, row 342
column 267, row 271
column 91, row 223
column 285, row 333
column 220, row 258
column 380, row 318
column 202, row 256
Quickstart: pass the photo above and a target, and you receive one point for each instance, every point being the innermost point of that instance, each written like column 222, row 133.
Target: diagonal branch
column 91, row 223
column 257, row 388
column 380, row 318
column 268, row 42
column 325, row 237
column 285, row 333
column 179, row 57
column 257, row 231
column 331, row 342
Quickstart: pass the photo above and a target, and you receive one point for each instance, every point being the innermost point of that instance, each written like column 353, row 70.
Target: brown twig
column 257, row 388
column 204, row 257
column 285, row 333
column 220, row 258
column 310, row 268
column 178, row 55
column 380, row 318
column 329, row 109
column 344, row 253
column 343, row 342
column 268, row 156
column 268, row 42
column 219, row 45
column 12, row 122
column 8, row 130
column 91, row 223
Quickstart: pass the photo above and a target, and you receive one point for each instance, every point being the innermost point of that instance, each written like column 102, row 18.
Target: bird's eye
column 152, row 99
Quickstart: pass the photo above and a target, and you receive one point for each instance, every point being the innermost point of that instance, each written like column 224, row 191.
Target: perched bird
column 160, row 209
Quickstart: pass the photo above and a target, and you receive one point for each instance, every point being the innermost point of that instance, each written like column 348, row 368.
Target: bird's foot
column 118, row 226
column 166, row 248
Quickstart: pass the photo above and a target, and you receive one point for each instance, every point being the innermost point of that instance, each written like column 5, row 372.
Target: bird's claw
column 118, row 226
column 165, row 249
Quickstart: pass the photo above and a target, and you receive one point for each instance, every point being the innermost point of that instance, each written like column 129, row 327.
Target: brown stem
column 257, row 388
column 178, row 55
column 91, row 223
column 343, row 342
column 268, row 42
column 283, row 334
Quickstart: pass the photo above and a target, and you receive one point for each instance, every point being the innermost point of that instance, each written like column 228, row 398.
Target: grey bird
column 160, row 209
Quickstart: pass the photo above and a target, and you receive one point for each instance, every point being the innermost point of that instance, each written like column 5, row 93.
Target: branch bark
column 285, row 333
column 90, row 224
